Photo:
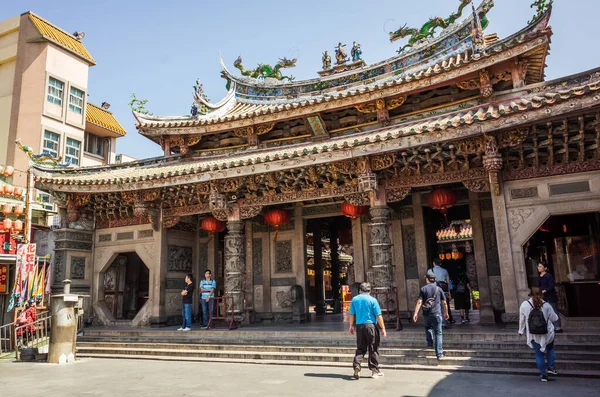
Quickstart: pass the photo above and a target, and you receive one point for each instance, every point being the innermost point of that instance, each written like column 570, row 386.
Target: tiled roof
column 532, row 98
column 103, row 118
column 60, row 37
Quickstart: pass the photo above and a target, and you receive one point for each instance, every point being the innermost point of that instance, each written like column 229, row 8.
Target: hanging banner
column 3, row 279
column 26, row 265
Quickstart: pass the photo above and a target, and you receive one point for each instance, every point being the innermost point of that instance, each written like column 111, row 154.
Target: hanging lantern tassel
column 277, row 218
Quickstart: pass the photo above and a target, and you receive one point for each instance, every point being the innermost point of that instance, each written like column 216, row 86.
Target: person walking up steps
column 429, row 299
column 366, row 320
column 536, row 322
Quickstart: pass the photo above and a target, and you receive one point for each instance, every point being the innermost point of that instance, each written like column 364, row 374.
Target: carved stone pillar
column 492, row 162
column 380, row 269
column 234, row 264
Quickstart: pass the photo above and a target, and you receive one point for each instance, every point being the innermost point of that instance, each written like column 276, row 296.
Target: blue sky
column 158, row 48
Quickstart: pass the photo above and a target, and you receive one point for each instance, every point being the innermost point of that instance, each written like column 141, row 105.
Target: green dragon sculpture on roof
column 541, row 6
column 43, row 158
column 266, row 71
column 429, row 28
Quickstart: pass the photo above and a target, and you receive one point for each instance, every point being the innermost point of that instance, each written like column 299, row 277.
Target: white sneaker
column 186, row 329
column 180, row 329
column 377, row 374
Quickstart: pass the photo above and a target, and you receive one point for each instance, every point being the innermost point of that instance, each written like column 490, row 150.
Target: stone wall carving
column 519, row 216
column 485, row 205
column 281, row 298
column 283, row 256
column 258, row 298
column 407, row 213
column 257, row 259
column 58, row 267
column 528, row 192
column 203, row 256
column 412, row 293
column 496, row 292
column 173, row 303
column 179, row 259
column 145, row 233
column 491, row 246
column 77, row 268
column 409, row 247
column 104, row 238
column 174, row 284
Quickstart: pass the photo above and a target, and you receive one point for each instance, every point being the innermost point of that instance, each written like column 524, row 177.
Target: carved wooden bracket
column 171, row 221
column 398, row 194
column 357, row 199
column 477, row 185
column 249, row 212
column 245, row 132
column 222, row 214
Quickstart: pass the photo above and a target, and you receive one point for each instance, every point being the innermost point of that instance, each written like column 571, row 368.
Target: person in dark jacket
column 546, row 283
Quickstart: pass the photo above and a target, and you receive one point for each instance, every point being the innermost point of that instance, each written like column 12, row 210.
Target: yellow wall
column 9, row 36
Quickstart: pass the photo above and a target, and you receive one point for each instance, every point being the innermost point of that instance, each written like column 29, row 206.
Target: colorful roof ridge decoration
column 57, row 35
column 248, row 98
column 160, row 171
column 103, row 118
column 43, row 159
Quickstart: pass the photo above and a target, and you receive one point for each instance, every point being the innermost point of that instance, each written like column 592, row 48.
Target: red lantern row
column 8, row 224
column 7, row 170
column 277, row 218
column 8, row 208
column 10, row 190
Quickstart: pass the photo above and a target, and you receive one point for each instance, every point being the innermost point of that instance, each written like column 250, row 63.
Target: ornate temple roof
column 429, row 63
column 508, row 109
column 58, row 36
column 103, row 118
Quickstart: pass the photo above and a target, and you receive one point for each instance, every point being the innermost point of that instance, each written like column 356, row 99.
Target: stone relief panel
column 173, row 303
column 496, row 292
column 406, row 213
column 528, row 192
column 412, row 293
column 103, row 238
column 258, row 298
column 257, row 259
column 77, row 268
column 175, row 284
column 58, row 269
column 283, row 256
column 409, row 246
column 203, row 256
column 518, row 217
column 485, row 205
column 145, row 233
column 491, row 246
column 180, row 259
column 281, row 298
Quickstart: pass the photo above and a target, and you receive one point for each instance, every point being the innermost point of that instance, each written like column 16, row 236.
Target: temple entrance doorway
column 329, row 267
column 450, row 239
column 126, row 286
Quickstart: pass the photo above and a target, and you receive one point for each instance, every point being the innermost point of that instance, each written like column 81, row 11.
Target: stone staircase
column 502, row 352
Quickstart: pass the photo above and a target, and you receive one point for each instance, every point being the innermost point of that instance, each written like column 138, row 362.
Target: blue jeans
column 186, row 313
column 540, row 359
column 205, row 310
column 433, row 328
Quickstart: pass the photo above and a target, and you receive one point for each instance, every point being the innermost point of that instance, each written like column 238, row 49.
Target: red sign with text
column 3, row 279
column 26, row 260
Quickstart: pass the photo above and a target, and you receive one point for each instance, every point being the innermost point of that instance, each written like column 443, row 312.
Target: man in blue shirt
column 430, row 297
column 207, row 290
column 366, row 319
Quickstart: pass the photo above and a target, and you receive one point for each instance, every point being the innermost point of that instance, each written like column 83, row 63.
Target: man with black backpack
column 535, row 320
column 431, row 300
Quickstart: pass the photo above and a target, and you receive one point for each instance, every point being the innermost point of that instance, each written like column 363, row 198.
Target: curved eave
column 507, row 111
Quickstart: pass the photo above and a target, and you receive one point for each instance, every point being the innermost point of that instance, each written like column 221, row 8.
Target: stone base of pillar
column 510, row 318
column 486, row 315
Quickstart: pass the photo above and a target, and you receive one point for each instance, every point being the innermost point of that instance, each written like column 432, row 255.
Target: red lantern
column 212, row 225
column 7, row 223
column 9, row 170
column 354, row 211
column 442, row 199
column 6, row 209
column 18, row 226
column 18, row 191
column 277, row 218
column 18, row 209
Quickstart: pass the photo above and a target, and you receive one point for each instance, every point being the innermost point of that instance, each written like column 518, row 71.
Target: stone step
column 451, row 336
column 417, row 343
column 394, row 359
column 522, row 352
column 443, row 366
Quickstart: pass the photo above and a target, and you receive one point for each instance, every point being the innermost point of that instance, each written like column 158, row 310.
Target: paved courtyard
column 133, row 378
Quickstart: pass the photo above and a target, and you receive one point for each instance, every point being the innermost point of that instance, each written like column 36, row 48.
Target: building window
column 51, row 143
column 94, row 145
column 76, row 100
column 72, row 151
column 55, row 91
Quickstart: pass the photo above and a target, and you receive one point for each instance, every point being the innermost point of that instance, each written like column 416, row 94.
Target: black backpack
column 461, row 287
column 430, row 302
column 538, row 325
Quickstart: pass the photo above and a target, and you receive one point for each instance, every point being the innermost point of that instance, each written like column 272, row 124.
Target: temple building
column 456, row 148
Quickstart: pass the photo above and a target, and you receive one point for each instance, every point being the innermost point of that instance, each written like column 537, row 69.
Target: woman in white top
column 543, row 344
